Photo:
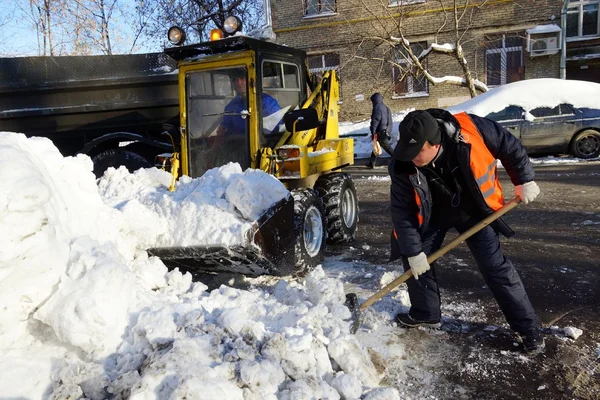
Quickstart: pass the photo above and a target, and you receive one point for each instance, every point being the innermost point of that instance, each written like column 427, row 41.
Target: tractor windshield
column 217, row 119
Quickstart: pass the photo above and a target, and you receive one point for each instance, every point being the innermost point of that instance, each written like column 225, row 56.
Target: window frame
column 576, row 7
column 564, row 110
column 503, row 51
column 518, row 109
column 320, row 12
column 281, row 64
column 400, row 58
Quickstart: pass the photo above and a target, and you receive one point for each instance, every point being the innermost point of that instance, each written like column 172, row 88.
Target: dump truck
column 254, row 102
column 110, row 107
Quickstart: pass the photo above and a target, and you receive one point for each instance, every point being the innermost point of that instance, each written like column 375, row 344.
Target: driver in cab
column 233, row 123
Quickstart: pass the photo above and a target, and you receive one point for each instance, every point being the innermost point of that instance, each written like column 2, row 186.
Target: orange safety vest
column 483, row 163
column 420, row 216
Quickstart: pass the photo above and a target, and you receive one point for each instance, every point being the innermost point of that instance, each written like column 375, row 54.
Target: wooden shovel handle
column 458, row 240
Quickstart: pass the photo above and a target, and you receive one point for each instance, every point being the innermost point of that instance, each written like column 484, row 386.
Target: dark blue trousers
column 498, row 272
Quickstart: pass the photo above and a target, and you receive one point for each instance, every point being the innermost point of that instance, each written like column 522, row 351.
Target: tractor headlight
column 232, row 25
column 176, row 35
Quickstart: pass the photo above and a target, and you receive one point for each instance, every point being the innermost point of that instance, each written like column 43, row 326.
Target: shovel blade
column 352, row 304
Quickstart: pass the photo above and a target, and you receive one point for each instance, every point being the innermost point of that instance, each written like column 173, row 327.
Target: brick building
column 583, row 40
column 503, row 41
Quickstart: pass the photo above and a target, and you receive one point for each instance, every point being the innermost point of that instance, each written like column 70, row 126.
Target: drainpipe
column 563, row 39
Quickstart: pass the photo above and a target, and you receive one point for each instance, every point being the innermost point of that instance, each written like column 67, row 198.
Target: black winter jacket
column 406, row 178
column 381, row 117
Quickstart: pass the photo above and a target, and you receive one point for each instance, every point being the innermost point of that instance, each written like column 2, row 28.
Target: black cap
column 416, row 128
column 237, row 73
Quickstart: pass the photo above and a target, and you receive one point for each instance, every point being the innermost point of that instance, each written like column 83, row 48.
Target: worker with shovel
column 444, row 176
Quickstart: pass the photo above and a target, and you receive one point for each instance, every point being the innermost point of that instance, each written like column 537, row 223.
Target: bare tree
column 197, row 17
column 389, row 33
column 6, row 16
column 91, row 27
column 41, row 12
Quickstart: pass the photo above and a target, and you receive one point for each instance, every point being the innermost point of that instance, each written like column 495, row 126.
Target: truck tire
column 117, row 157
column 341, row 206
column 309, row 228
column 586, row 144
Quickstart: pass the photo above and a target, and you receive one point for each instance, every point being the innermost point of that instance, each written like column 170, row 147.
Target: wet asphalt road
column 557, row 253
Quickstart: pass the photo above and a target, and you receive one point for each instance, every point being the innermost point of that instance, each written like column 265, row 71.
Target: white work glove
column 527, row 192
column 418, row 264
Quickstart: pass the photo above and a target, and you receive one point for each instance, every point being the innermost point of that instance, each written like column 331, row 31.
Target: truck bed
column 74, row 99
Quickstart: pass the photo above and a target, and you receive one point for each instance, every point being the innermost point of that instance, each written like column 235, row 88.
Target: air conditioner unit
column 544, row 40
column 543, row 46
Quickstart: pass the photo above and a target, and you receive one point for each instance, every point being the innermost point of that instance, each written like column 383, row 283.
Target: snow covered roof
column 533, row 93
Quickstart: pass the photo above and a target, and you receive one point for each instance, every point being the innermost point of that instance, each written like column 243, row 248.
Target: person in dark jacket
column 381, row 125
column 444, row 176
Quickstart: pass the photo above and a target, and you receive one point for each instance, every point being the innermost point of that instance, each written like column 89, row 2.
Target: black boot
column 532, row 341
column 372, row 160
column 408, row 321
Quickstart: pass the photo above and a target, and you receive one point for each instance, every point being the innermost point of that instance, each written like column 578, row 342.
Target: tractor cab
column 234, row 93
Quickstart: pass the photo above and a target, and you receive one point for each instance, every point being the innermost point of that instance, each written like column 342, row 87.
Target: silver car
column 563, row 129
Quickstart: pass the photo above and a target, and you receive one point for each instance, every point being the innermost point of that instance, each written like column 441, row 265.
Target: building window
column 408, row 80
column 504, row 59
column 582, row 19
column 313, row 8
column 319, row 63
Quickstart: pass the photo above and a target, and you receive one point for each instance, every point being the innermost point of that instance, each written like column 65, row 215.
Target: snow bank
column 87, row 313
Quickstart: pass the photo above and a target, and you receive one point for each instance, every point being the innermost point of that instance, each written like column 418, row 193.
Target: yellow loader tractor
column 253, row 102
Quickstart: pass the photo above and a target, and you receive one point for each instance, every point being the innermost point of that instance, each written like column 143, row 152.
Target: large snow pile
column 85, row 312
column 217, row 208
column 530, row 94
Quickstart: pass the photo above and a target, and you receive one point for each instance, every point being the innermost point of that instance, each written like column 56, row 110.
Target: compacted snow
column 86, row 312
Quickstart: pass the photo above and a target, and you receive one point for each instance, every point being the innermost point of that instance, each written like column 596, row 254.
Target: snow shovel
column 352, row 299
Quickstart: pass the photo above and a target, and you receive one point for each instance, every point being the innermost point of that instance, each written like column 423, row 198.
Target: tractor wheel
column 586, row 144
column 309, row 226
column 117, row 157
column 341, row 206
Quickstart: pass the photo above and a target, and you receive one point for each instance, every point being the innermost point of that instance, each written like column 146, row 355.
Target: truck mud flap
column 270, row 249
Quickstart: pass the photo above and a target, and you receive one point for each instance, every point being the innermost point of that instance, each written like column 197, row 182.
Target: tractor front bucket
column 269, row 249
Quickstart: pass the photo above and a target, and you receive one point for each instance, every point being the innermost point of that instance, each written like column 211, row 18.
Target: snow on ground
column 87, row 313
column 361, row 133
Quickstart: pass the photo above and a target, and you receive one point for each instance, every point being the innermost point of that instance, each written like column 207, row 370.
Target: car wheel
column 309, row 226
column 117, row 157
column 586, row 144
column 341, row 206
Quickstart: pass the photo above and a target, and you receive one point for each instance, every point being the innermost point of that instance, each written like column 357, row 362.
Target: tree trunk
column 104, row 29
column 460, row 56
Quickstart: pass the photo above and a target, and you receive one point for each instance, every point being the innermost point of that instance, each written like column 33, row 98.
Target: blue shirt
column 235, row 124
